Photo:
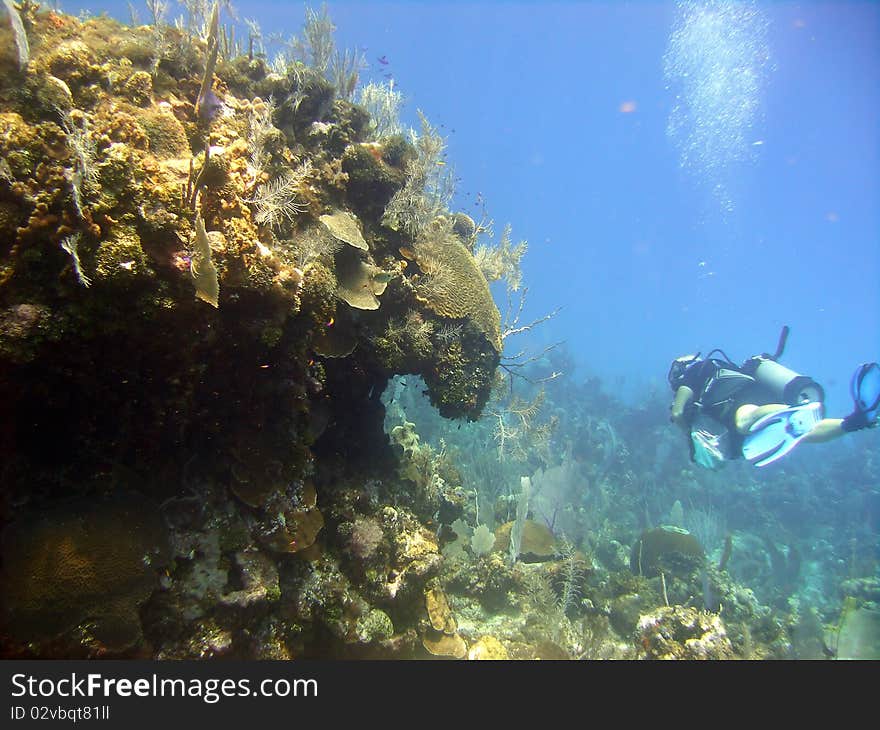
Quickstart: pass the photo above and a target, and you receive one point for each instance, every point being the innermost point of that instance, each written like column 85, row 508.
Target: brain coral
column 455, row 287
column 92, row 562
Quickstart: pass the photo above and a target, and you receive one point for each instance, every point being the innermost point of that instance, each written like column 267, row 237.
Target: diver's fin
column 773, row 436
column 865, row 389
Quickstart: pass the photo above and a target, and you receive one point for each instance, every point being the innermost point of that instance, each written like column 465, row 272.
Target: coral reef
column 195, row 289
column 256, row 402
column 683, row 633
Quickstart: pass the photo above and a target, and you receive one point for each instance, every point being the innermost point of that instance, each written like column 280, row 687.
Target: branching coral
column 160, row 46
column 517, row 433
column 260, row 130
column 206, row 104
column 276, row 201
column 317, row 44
column 572, row 576
column 70, row 244
column 448, row 332
column 429, row 185
column 317, row 48
column 344, row 72
column 502, row 261
column 84, row 173
column 312, row 246
column 407, row 335
column 384, row 105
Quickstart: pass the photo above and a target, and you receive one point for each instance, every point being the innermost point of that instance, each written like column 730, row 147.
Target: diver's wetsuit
column 719, row 403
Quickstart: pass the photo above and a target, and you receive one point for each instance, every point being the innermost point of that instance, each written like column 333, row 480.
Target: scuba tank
column 787, row 385
column 791, row 387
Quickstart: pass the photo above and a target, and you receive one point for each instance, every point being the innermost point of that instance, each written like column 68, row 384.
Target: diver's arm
column 683, row 396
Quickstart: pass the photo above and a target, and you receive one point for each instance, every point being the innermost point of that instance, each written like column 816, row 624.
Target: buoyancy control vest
column 782, row 383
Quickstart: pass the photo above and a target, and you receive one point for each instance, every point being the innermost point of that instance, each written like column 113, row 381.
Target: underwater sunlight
column 385, row 330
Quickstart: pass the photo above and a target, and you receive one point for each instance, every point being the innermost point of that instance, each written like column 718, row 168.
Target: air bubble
column 716, row 64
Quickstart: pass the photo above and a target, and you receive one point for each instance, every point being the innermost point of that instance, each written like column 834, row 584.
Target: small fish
column 382, row 60
column 331, row 322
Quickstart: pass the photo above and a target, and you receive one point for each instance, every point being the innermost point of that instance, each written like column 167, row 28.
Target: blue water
column 689, row 176
column 646, row 259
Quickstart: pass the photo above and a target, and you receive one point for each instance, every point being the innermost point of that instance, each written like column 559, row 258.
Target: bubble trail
column 717, row 63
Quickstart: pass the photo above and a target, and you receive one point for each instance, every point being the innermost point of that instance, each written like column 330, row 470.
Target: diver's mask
column 679, row 367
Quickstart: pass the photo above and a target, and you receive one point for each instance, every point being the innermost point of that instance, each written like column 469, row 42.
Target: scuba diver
column 760, row 410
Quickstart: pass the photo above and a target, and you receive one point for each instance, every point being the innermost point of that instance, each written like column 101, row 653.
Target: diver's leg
column 748, row 413
column 826, row 430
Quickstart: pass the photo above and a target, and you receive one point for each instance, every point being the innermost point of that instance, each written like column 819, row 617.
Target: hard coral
column 357, row 287
column 366, row 534
column 95, row 562
column 139, row 88
column 538, row 543
column 454, row 286
column 371, row 182
column 679, row 632
column 670, row 548
column 487, row 648
column 415, row 553
column 74, row 62
column 120, row 258
column 279, row 383
column 440, row 634
column 344, row 227
column 167, row 136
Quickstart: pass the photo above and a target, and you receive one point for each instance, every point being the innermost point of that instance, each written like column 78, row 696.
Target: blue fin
column 865, row 389
column 773, row 436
